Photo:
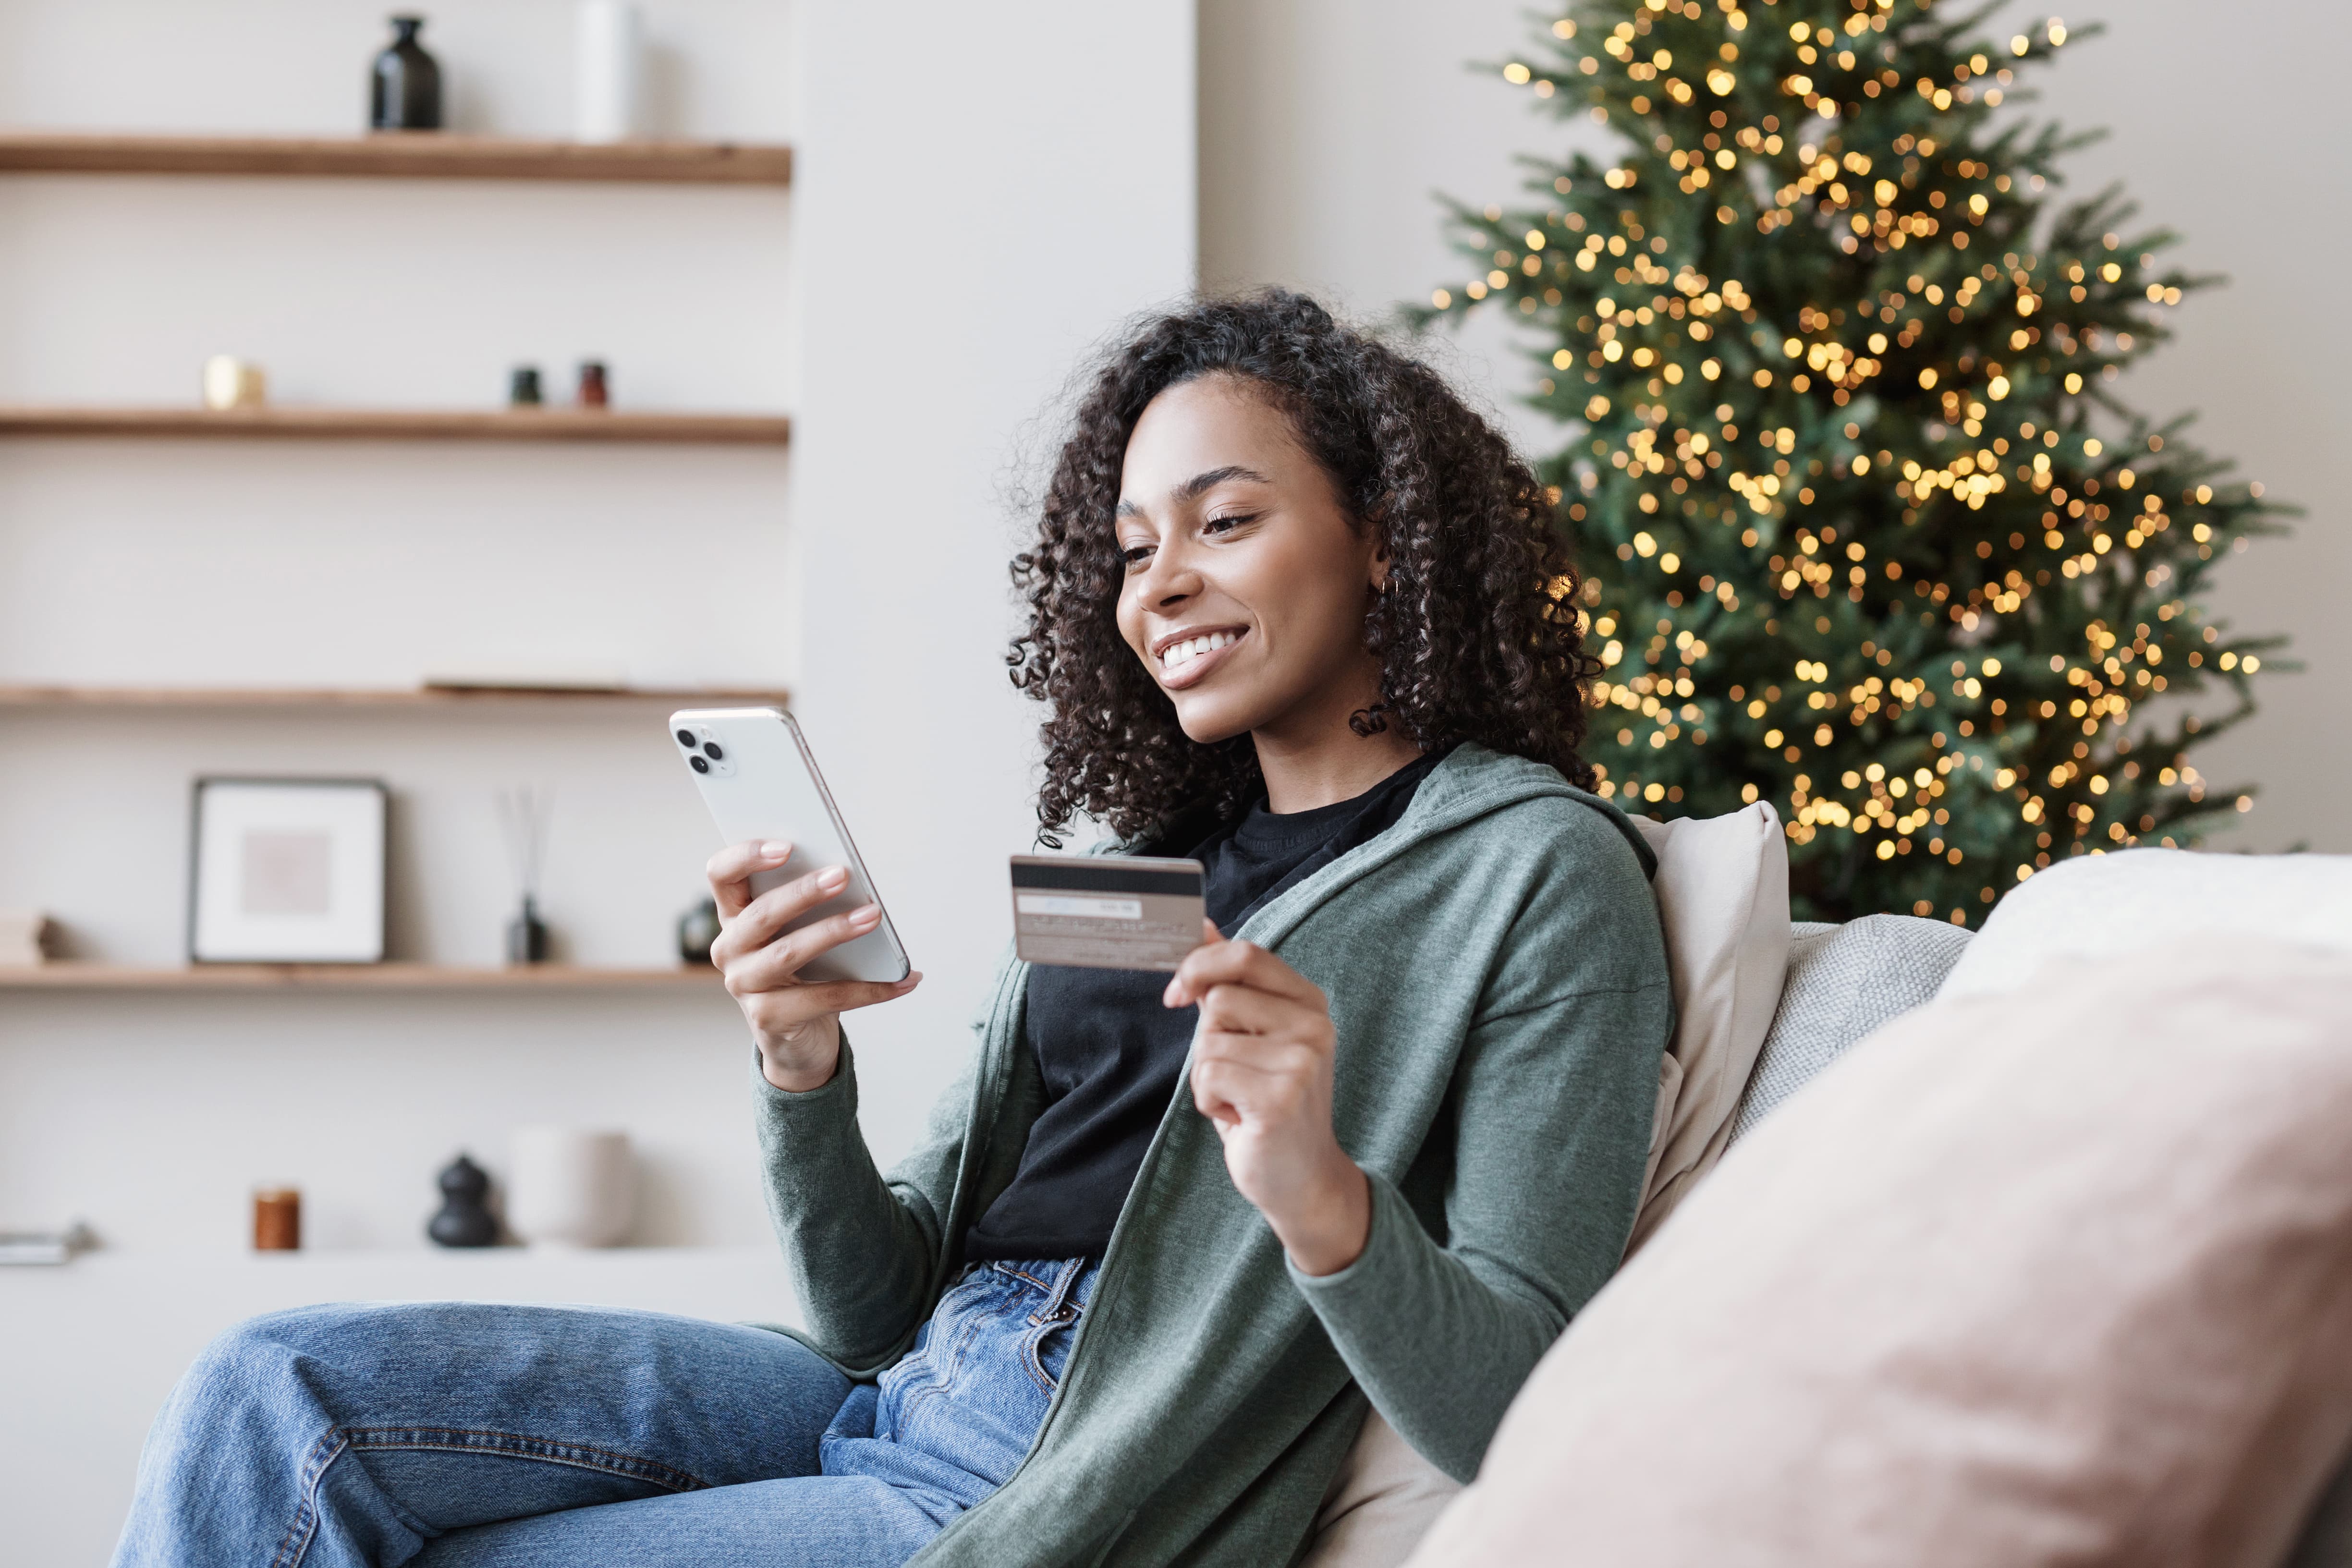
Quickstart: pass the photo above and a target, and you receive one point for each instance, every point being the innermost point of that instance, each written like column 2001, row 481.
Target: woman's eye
column 1219, row 525
column 1136, row 555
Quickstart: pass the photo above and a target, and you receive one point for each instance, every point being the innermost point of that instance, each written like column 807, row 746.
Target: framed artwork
column 287, row 870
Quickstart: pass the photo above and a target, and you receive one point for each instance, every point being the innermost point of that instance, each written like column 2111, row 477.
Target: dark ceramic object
column 464, row 1218
column 523, row 387
column 404, row 88
column 698, row 928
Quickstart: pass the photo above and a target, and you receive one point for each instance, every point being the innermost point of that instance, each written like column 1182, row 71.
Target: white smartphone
column 759, row 778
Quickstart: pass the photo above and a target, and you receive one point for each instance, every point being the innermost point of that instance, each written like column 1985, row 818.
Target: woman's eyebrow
column 1198, row 485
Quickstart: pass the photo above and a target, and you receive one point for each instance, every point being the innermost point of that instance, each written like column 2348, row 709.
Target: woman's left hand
column 1262, row 1074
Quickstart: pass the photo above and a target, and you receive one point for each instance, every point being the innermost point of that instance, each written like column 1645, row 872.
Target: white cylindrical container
column 611, row 71
column 566, row 1188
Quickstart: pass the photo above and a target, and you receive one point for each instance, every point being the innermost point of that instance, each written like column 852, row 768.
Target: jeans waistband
column 1066, row 1283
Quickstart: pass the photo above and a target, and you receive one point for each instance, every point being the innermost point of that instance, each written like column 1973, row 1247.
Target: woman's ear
column 1374, row 524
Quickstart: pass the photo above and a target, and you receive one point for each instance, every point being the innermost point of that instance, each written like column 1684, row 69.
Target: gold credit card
column 1107, row 911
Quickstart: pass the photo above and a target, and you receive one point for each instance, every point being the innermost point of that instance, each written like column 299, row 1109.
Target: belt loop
column 1058, row 1306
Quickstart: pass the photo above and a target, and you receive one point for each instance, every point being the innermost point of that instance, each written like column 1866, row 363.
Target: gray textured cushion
column 1843, row 982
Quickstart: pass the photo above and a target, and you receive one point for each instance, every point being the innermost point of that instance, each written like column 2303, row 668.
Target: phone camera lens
column 710, row 749
column 686, row 738
column 699, row 765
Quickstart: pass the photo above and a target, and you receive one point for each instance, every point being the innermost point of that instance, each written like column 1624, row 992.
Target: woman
column 1296, row 612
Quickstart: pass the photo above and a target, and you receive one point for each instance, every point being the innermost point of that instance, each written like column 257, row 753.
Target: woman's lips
column 1196, row 668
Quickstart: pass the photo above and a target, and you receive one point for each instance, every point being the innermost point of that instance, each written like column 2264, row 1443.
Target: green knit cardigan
column 1497, row 978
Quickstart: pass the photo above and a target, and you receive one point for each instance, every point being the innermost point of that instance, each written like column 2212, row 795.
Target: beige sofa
column 2078, row 926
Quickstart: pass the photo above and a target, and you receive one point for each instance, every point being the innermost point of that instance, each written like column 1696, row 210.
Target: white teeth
column 1179, row 654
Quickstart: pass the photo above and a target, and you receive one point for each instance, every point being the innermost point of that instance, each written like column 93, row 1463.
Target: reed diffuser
column 524, row 814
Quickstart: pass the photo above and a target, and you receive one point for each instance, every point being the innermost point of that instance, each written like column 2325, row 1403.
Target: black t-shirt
column 1110, row 1053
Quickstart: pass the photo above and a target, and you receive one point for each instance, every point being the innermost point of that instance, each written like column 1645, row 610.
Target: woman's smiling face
column 1246, row 580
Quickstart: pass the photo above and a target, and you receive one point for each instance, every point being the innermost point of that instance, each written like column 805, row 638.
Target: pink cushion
column 2059, row 1277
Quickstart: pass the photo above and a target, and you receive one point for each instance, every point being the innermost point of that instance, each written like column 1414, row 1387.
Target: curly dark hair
column 1476, row 630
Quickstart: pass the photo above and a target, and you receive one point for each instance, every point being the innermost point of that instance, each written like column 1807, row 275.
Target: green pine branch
column 1871, row 532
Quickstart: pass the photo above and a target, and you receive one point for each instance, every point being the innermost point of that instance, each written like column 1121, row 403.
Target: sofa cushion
column 1383, row 1501
column 1722, row 886
column 2102, row 906
column 2059, row 1277
column 1843, row 982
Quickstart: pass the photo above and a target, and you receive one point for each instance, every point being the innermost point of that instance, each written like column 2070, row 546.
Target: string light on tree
column 1870, row 534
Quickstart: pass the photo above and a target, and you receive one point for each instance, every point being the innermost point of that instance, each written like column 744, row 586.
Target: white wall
column 1327, row 124
column 1327, row 129
column 979, row 195
column 960, row 273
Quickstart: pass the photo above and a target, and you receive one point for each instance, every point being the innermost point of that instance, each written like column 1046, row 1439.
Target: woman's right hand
column 796, row 1025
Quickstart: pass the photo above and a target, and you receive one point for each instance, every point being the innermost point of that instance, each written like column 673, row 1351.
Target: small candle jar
column 594, row 391
column 277, row 1220
column 231, row 382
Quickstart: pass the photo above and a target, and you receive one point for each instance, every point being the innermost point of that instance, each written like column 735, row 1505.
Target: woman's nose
column 1171, row 578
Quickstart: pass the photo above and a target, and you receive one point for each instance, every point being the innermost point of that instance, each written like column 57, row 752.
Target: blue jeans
column 462, row 1436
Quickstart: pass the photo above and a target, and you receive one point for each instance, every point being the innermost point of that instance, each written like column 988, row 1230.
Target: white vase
column 611, row 67
column 566, row 1188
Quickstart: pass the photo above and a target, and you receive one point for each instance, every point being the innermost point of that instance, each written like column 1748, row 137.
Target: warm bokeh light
column 1870, row 535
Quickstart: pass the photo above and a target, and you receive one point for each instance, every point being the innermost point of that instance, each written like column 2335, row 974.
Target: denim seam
column 944, row 1366
column 973, row 1276
column 1060, row 1310
column 932, row 1356
column 549, row 1450
column 296, row 1543
column 1009, row 1269
column 972, row 1289
column 951, row 1365
column 1033, row 1345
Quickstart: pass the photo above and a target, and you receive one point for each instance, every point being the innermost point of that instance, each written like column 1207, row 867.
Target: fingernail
column 866, row 917
column 776, row 850
column 831, row 877
column 911, row 981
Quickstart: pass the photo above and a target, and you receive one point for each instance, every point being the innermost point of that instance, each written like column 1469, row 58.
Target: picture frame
column 286, row 870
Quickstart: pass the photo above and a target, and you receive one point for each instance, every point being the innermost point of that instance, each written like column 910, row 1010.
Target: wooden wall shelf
column 297, row 423
column 87, row 976
column 431, row 155
column 424, row 697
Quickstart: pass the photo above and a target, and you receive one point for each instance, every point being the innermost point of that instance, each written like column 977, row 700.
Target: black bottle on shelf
column 404, row 88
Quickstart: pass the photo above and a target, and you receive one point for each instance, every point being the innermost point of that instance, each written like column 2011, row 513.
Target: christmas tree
column 1869, row 534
